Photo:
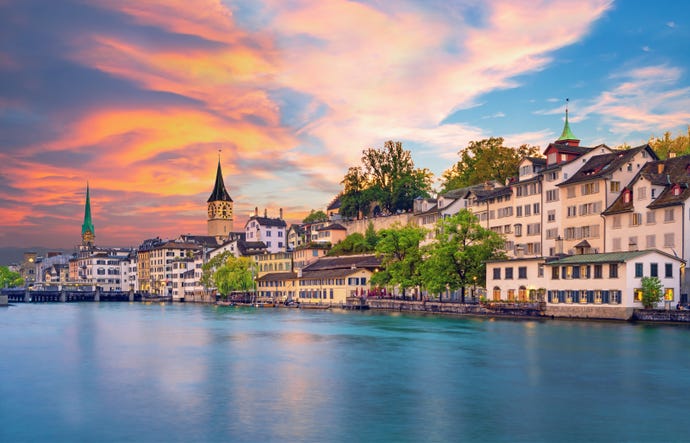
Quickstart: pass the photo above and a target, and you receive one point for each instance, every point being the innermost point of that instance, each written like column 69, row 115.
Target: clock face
column 211, row 210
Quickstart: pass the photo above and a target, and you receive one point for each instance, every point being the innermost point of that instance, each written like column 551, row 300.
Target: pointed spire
column 88, row 223
column 219, row 192
column 567, row 134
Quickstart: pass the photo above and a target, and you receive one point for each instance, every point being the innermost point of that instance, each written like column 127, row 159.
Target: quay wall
column 3, row 300
column 588, row 312
column 662, row 315
column 499, row 309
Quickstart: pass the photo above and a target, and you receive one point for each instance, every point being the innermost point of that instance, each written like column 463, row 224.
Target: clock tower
column 219, row 208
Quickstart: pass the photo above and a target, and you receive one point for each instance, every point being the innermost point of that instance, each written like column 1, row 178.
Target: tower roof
column 219, row 192
column 567, row 134
column 87, row 226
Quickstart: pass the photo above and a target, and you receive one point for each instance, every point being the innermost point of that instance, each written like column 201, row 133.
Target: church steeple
column 88, row 233
column 567, row 137
column 220, row 217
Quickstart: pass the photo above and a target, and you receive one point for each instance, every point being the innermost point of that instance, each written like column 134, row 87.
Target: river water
column 103, row 372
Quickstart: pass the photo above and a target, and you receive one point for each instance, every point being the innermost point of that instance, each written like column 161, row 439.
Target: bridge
column 22, row 295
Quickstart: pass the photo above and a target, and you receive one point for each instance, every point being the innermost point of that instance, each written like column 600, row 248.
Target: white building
column 271, row 231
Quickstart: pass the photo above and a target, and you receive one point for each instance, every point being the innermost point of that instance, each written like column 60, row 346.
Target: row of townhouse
column 598, row 218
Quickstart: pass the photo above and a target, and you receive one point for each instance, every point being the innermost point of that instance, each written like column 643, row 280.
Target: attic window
column 676, row 190
column 627, row 196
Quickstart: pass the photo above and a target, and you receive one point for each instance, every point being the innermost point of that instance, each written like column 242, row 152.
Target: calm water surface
column 133, row 372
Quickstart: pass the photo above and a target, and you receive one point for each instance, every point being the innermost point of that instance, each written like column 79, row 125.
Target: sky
column 141, row 98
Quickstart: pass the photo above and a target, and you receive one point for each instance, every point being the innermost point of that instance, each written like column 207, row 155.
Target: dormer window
column 627, row 196
column 676, row 190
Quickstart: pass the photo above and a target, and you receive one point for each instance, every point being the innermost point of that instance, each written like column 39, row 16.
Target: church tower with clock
column 219, row 208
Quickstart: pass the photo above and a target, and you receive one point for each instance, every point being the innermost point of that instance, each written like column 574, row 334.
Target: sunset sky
column 137, row 97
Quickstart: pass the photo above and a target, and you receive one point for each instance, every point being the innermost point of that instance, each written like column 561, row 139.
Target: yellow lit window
column 638, row 294
column 668, row 294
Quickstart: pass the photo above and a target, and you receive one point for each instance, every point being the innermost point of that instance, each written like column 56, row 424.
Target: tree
column 666, row 145
column 370, row 236
column 388, row 177
column 398, row 249
column 315, row 217
column 486, row 160
column 354, row 243
column 236, row 274
column 10, row 279
column 651, row 292
column 209, row 268
column 458, row 254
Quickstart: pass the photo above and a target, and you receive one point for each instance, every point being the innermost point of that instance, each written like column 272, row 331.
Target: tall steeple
column 220, row 219
column 567, row 137
column 88, row 233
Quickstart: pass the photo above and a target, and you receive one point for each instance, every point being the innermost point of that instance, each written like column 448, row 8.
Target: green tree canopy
column 235, row 274
column 10, row 279
column 387, row 176
column 400, row 254
column 651, row 292
column 666, row 145
column 457, row 256
column 486, row 160
column 315, row 217
column 354, row 243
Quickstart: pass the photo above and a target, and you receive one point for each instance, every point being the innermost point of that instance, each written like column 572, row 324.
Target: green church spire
column 87, row 229
column 567, row 134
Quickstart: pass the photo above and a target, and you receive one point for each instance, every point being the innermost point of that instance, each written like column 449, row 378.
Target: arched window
column 497, row 293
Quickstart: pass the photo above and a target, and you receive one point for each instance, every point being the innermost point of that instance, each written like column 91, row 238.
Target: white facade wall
column 515, row 279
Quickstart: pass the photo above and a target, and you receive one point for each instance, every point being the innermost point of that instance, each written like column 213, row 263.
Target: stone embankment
column 662, row 315
column 483, row 309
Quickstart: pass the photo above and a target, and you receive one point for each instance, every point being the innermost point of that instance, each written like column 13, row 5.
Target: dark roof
column 568, row 149
column 333, row 227
column 602, row 165
column 208, row 241
column 487, row 194
column 537, row 160
column 277, row 276
column 306, row 274
column 219, row 191
column 299, row 229
column 359, row 261
column 268, row 221
column 619, row 205
column 251, row 247
column 583, row 244
column 675, row 172
column 335, row 203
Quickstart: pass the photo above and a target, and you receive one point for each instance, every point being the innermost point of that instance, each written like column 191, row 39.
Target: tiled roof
column 619, row 205
column 333, row 227
column 567, row 149
column 674, row 171
column 608, row 257
column 486, row 194
column 267, row 221
column 277, row 276
column 537, row 160
column 602, row 165
column 360, row 261
column 335, row 204
column 251, row 247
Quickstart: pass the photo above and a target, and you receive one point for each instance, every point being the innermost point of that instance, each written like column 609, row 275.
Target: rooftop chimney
column 281, row 214
column 256, row 211
column 659, row 168
column 265, row 213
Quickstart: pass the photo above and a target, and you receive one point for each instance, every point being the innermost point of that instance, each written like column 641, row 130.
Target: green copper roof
column 88, row 223
column 219, row 192
column 567, row 134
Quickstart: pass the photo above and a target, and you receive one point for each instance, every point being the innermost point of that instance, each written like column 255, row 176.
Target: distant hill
column 14, row 255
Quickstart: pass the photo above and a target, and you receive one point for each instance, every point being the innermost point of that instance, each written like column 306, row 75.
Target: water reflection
column 113, row 372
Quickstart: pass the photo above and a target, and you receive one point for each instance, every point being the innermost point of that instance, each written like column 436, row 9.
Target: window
column 551, row 233
column 571, row 192
column 668, row 294
column 552, row 195
column 669, row 240
column 572, row 211
column 518, row 211
column 635, row 219
column 638, row 270
column 615, row 186
column 638, row 294
column 497, row 293
column 616, row 244
column 535, row 208
column 651, row 217
column 654, row 269
column 651, row 241
column 497, row 273
column 668, row 270
column 616, row 221
column 268, row 233
column 528, row 210
column 590, row 188
column 522, row 272
column 613, row 270
column 641, row 193
column 668, row 215
column 554, row 273
column 540, row 270
column 597, row 271
column 551, row 216
column 509, row 273
column 518, row 230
